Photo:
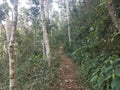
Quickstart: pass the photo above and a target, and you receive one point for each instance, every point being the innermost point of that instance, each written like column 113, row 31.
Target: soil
column 70, row 77
column 67, row 71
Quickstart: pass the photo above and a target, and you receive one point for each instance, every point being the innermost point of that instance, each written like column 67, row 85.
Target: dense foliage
column 32, row 70
column 96, row 44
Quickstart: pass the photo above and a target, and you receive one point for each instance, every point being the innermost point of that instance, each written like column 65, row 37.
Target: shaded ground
column 67, row 70
column 70, row 77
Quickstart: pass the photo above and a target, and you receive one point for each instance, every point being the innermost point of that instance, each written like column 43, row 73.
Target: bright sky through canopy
column 24, row 3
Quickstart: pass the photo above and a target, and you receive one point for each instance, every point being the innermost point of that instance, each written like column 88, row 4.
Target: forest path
column 67, row 73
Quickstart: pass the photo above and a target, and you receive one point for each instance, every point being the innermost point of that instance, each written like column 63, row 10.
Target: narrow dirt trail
column 67, row 70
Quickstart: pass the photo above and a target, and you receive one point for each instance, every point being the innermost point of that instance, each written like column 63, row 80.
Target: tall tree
column 68, row 20
column 11, row 39
column 46, row 45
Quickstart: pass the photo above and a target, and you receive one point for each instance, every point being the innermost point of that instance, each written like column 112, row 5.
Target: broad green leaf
column 94, row 78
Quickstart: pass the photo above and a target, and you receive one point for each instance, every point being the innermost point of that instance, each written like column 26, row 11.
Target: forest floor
column 68, row 73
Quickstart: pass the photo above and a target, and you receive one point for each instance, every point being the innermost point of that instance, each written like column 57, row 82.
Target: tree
column 33, row 14
column 11, row 39
column 46, row 45
column 96, row 41
column 68, row 20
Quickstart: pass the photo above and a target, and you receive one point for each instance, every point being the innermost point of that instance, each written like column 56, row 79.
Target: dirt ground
column 68, row 78
column 67, row 71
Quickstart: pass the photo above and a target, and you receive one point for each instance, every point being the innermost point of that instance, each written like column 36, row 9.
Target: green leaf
column 102, row 3
column 116, row 83
column 107, row 78
column 117, row 72
column 116, row 61
column 108, row 69
column 94, row 78
column 100, row 82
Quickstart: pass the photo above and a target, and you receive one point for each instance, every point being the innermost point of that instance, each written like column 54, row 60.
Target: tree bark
column 11, row 52
column 46, row 6
column 43, row 49
column 59, row 23
column 113, row 14
column 45, row 35
column 68, row 20
column 8, row 28
column 34, row 39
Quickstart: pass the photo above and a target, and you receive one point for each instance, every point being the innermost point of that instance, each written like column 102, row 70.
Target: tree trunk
column 44, row 29
column 46, row 6
column 34, row 39
column 8, row 28
column 43, row 49
column 68, row 20
column 113, row 14
column 59, row 23
column 11, row 39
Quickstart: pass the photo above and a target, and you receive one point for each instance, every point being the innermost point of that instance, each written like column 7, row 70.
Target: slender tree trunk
column 43, row 49
column 59, row 23
column 8, row 28
column 113, row 14
column 11, row 48
column 34, row 39
column 68, row 20
column 44, row 29
column 46, row 8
